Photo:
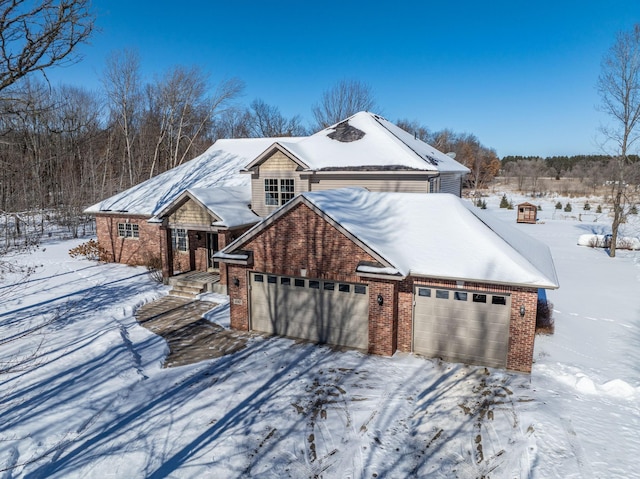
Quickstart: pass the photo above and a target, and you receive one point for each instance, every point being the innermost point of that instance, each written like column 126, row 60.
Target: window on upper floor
column 278, row 191
column 128, row 230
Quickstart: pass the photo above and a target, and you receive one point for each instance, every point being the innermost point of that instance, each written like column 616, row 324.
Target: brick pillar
column 239, row 297
column 522, row 330
column 382, row 318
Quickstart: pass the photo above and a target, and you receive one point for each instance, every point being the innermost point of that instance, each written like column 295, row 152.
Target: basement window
column 258, row 278
column 314, row 284
column 426, row 292
column 360, row 289
column 344, row 288
column 458, row 296
column 285, row 281
column 179, row 239
column 329, row 286
column 128, row 230
column 299, row 283
column 272, row 279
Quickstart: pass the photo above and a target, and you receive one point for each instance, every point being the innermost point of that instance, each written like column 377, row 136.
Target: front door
column 212, row 248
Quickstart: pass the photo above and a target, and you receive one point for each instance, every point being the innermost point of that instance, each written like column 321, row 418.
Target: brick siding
column 133, row 251
column 301, row 239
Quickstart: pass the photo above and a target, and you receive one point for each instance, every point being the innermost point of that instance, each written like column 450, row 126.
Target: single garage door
column 462, row 326
column 328, row 312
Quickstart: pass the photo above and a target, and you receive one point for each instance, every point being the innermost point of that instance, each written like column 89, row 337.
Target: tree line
column 67, row 146
column 565, row 166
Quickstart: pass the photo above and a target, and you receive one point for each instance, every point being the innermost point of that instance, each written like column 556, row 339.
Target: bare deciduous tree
column 415, row 128
column 619, row 89
column 269, row 122
column 345, row 98
column 232, row 123
column 182, row 110
column 124, row 92
column 37, row 35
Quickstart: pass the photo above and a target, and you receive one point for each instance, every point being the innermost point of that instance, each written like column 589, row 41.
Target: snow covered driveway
column 83, row 393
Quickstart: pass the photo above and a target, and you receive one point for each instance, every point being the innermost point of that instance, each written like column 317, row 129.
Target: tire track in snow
column 576, row 448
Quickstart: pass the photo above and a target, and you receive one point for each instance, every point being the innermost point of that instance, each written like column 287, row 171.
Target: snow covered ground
column 83, row 394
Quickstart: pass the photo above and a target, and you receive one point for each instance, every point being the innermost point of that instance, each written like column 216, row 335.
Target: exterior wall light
column 522, row 311
column 380, row 300
column 236, row 281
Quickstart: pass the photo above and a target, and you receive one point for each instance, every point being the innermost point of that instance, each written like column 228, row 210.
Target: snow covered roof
column 367, row 140
column 439, row 235
column 231, row 204
column 218, row 166
column 433, row 235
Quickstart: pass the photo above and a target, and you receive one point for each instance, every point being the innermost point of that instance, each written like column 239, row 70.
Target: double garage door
column 462, row 326
column 322, row 311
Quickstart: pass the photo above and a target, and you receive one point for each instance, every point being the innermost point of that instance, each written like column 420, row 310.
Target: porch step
column 191, row 284
column 182, row 294
column 187, row 290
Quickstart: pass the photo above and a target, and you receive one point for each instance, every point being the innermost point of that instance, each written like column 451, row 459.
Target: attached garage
column 322, row 311
column 384, row 272
column 462, row 326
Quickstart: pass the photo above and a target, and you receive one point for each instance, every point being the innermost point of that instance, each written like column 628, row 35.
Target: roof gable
column 277, row 147
column 228, row 206
column 272, row 220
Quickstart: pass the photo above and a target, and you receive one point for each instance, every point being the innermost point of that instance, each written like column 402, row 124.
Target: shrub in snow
column 544, row 317
column 604, row 241
column 586, row 207
column 510, row 207
column 504, row 202
column 558, row 205
column 568, row 207
column 154, row 266
column 90, row 250
column 633, row 210
column 539, row 207
column 599, row 209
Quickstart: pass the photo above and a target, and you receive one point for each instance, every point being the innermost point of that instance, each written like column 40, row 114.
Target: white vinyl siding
column 397, row 183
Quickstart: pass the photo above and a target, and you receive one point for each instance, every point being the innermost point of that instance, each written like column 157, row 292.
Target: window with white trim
column 179, row 239
column 128, row 230
column 278, row 191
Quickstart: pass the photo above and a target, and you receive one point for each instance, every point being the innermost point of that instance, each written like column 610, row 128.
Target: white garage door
column 322, row 311
column 462, row 326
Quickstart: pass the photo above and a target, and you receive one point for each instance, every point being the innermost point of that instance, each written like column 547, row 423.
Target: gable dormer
column 276, row 177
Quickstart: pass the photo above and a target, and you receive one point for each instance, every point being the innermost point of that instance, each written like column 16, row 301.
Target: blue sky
column 519, row 75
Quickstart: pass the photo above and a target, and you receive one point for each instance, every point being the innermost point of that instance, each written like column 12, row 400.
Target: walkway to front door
column 190, row 337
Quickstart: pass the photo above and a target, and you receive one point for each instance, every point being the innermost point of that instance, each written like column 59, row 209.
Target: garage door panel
column 462, row 330
column 332, row 313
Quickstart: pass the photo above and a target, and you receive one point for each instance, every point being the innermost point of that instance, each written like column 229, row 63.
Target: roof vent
column 346, row 133
column 431, row 160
